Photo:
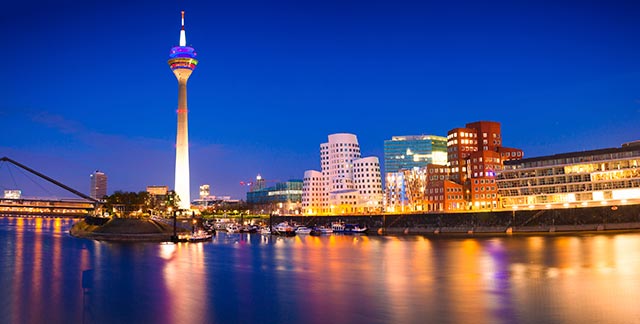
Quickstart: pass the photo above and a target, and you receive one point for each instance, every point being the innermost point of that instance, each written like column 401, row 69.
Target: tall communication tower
column 182, row 60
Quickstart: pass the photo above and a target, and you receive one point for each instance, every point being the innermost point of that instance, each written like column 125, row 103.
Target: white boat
column 265, row 230
column 197, row 236
column 284, row 229
column 233, row 228
column 303, row 230
column 200, row 235
column 337, row 227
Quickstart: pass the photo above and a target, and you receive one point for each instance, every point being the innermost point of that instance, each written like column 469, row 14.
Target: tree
column 126, row 203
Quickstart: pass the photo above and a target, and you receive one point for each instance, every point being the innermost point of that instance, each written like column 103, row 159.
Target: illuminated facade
column 98, row 185
column 205, row 191
column 282, row 198
column 408, row 152
column 578, row 179
column 312, row 191
column 158, row 190
column 343, row 187
column 182, row 62
column 368, row 182
column 475, row 154
column 405, row 159
column 13, row 194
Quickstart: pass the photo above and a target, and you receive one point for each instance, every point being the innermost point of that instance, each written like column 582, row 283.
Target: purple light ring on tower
column 182, row 51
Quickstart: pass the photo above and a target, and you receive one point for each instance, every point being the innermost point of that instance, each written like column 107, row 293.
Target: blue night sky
column 86, row 84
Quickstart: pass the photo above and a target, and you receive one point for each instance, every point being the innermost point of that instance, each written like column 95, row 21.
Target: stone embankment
column 566, row 220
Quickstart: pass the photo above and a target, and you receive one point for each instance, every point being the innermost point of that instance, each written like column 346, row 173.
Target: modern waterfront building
column 216, row 203
column 578, row 179
column 348, row 183
column 408, row 152
column 98, row 186
column 466, row 181
column 312, row 191
column 182, row 60
column 282, row 198
column 405, row 158
column 475, row 154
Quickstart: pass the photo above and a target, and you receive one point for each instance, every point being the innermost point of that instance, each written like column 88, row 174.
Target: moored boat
column 341, row 227
column 233, row 228
column 303, row 230
column 200, row 235
column 283, row 229
column 321, row 230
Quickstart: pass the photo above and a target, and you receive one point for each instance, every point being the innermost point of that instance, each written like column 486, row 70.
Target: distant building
column 98, row 188
column 12, row 194
column 158, row 196
column 282, row 198
column 158, row 190
column 348, row 183
column 205, row 191
column 215, row 202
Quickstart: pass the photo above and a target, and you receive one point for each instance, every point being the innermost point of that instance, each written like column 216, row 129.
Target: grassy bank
column 121, row 229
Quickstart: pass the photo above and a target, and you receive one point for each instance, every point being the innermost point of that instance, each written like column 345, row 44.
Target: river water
column 47, row 276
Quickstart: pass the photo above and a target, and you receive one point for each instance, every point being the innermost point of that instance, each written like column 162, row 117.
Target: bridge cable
column 38, row 184
column 2, row 163
column 12, row 178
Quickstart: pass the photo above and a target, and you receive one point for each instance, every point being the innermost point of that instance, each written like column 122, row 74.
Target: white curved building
column 312, row 189
column 368, row 181
column 339, row 192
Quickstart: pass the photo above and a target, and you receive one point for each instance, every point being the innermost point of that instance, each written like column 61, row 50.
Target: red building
column 475, row 153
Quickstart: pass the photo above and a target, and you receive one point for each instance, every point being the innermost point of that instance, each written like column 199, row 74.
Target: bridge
column 12, row 203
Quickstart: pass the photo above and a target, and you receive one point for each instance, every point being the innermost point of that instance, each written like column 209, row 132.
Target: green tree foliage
column 126, row 204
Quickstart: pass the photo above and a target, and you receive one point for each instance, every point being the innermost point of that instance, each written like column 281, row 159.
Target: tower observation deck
column 182, row 60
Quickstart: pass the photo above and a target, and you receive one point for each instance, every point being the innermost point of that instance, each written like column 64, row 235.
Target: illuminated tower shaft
column 182, row 62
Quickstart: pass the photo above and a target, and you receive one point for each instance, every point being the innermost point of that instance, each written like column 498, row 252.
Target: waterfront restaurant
column 580, row 179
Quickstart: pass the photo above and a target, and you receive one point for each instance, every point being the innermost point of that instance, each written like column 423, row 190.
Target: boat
column 355, row 229
column 341, row 227
column 338, row 227
column 265, row 230
column 284, row 229
column 199, row 236
column 233, row 228
column 303, row 230
column 248, row 229
column 321, row 230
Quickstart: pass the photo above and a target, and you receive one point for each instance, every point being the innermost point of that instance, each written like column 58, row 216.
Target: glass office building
column 408, row 152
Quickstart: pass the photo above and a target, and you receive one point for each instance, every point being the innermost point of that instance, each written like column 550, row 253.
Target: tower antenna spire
column 183, row 34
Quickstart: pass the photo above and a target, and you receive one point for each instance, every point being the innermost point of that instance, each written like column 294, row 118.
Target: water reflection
column 341, row 279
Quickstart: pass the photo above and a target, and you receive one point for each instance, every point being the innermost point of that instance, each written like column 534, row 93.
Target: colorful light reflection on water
column 48, row 276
